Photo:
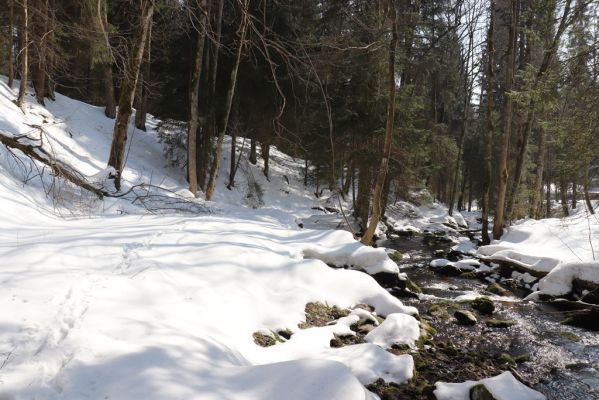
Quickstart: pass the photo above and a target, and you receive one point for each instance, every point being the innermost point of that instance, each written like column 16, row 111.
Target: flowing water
column 563, row 360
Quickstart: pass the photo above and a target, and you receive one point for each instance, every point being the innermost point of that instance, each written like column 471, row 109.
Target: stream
column 563, row 361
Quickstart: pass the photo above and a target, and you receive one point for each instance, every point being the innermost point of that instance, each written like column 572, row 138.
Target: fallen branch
column 59, row 168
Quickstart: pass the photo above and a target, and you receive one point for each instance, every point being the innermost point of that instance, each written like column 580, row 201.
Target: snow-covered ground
column 113, row 302
column 564, row 248
column 126, row 298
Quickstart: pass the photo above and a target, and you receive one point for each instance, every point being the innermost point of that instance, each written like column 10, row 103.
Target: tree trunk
column 144, row 77
column 362, row 200
column 234, row 127
column 116, row 158
column 39, row 77
column 382, row 172
column 24, row 37
column 507, row 125
column 253, row 157
column 489, row 128
column 192, row 131
column 548, row 198
column 587, row 198
column 10, row 73
column 107, row 81
column 219, row 25
column 265, row 147
column 574, row 193
column 228, row 103
column 537, row 189
column 563, row 192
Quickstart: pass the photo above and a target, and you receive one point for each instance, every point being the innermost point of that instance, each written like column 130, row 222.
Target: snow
column 430, row 216
column 122, row 299
column 396, row 329
column 561, row 249
column 502, row 387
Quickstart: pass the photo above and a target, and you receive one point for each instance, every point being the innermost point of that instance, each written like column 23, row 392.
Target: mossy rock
column 483, row 305
column 285, row 333
column 318, row 314
column 469, row 275
column 499, row 323
column 497, row 289
column 411, row 285
column 570, row 336
column 264, row 340
column 396, row 256
column 480, row 392
column 449, row 270
column 438, row 311
column 465, row 317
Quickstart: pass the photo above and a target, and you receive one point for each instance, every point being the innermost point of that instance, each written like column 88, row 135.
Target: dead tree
column 10, row 73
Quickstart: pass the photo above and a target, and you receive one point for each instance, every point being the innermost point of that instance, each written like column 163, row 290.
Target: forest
column 408, row 189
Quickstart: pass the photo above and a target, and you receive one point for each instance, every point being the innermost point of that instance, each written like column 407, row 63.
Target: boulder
column 465, row 317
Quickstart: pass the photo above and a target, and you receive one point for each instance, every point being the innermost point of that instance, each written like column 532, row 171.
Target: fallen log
column 58, row 168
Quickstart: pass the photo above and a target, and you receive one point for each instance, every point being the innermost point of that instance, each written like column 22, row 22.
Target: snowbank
column 429, row 216
column 502, row 387
column 396, row 329
column 561, row 250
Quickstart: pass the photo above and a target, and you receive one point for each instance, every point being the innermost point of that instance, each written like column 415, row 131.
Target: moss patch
column 264, row 340
column 318, row 314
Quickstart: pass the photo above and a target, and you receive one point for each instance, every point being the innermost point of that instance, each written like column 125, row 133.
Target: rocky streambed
column 482, row 329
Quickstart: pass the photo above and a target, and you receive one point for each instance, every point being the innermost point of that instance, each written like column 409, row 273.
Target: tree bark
column 141, row 111
column 116, row 158
column 489, row 127
column 192, row 129
column 537, row 190
column 232, row 168
column 107, row 81
column 228, row 103
column 40, row 70
column 384, row 164
column 563, row 192
column 265, row 150
column 587, row 198
column 24, row 54
column 10, row 73
column 253, row 157
column 507, row 125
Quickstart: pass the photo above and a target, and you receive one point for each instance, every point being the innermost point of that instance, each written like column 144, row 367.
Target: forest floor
column 158, row 295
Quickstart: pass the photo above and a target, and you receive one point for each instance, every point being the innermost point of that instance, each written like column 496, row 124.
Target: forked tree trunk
column 489, row 128
column 382, row 172
column 228, row 103
column 24, row 38
column 10, row 73
column 507, row 125
column 116, row 158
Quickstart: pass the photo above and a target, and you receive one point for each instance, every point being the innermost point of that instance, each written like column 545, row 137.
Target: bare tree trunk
column 489, row 128
column 574, row 193
column 384, row 165
column 587, row 198
column 537, row 189
column 265, row 150
column 23, row 35
column 219, row 25
column 192, row 131
column 563, row 192
column 107, row 81
column 141, row 111
column 253, row 157
column 116, row 158
column 362, row 199
column 228, row 103
column 548, row 198
column 39, row 77
column 507, row 125
column 10, row 73
column 234, row 127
